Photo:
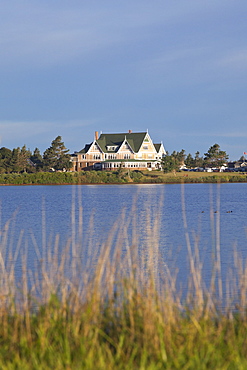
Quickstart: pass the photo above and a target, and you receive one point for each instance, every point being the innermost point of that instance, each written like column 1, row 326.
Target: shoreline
column 119, row 178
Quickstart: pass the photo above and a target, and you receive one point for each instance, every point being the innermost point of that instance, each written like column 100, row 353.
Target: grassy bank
column 122, row 177
column 119, row 309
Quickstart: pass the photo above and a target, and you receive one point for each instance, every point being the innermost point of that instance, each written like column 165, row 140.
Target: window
column 126, row 156
column 145, row 147
column 111, row 148
column 112, row 156
column 96, row 156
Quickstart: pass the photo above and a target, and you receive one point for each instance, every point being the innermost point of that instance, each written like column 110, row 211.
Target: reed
column 118, row 308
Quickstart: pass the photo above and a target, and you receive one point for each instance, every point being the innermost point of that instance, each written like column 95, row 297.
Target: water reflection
column 142, row 220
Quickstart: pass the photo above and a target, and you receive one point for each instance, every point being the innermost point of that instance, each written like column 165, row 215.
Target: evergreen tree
column 215, row 157
column 15, row 160
column 173, row 162
column 56, row 156
column 37, row 159
column 199, row 161
column 25, row 155
column 180, row 156
column 5, row 160
column 189, row 161
column 20, row 159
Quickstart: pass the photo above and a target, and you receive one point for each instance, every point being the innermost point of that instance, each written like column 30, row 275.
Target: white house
column 131, row 150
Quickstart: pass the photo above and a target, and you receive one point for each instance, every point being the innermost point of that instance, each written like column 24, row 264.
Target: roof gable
column 95, row 147
column 91, row 147
column 125, row 146
column 160, row 148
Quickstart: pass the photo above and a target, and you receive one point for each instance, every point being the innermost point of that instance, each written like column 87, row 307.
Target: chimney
column 96, row 135
column 130, row 131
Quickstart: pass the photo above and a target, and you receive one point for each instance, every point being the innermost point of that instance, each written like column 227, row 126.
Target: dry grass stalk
column 118, row 297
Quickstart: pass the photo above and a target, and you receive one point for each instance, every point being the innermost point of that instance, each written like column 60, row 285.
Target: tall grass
column 120, row 308
column 118, row 177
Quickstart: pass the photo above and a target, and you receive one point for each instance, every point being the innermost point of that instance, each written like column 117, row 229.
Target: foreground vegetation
column 119, row 309
column 120, row 177
column 133, row 328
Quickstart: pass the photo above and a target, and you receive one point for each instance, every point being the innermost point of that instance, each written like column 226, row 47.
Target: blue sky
column 176, row 68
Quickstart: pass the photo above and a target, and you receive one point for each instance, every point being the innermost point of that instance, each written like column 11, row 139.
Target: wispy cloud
column 46, row 34
column 130, row 61
column 236, row 59
column 18, row 133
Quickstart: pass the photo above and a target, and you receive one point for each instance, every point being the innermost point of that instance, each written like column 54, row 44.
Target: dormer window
column 111, row 148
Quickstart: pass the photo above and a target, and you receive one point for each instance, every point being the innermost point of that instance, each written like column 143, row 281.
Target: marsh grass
column 119, row 177
column 121, row 307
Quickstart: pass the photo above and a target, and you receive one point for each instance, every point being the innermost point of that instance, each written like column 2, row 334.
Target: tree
column 189, row 161
column 36, row 159
column 199, row 161
column 15, row 160
column 173, row 162
column 5, row 159
column 180, row 156
column 25, row 155
column 20, row 159
column 215, row 157
column 195, row 162
column 56, row 156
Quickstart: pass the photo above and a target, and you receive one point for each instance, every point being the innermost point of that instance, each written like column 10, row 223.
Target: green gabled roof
column 86, row 148
column 135, row 140
column 157, row 147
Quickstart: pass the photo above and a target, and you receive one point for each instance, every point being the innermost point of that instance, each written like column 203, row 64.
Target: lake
column 163, row 219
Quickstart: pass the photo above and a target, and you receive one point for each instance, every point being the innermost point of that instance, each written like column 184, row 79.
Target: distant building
column 240, row 165
column 131, row 150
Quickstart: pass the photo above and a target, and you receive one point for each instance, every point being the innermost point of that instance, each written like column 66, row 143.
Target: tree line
column 57, row 158
column 214, row 157
column 21, row 159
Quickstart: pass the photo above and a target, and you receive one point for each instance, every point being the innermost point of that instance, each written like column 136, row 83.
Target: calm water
column 42, row 212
